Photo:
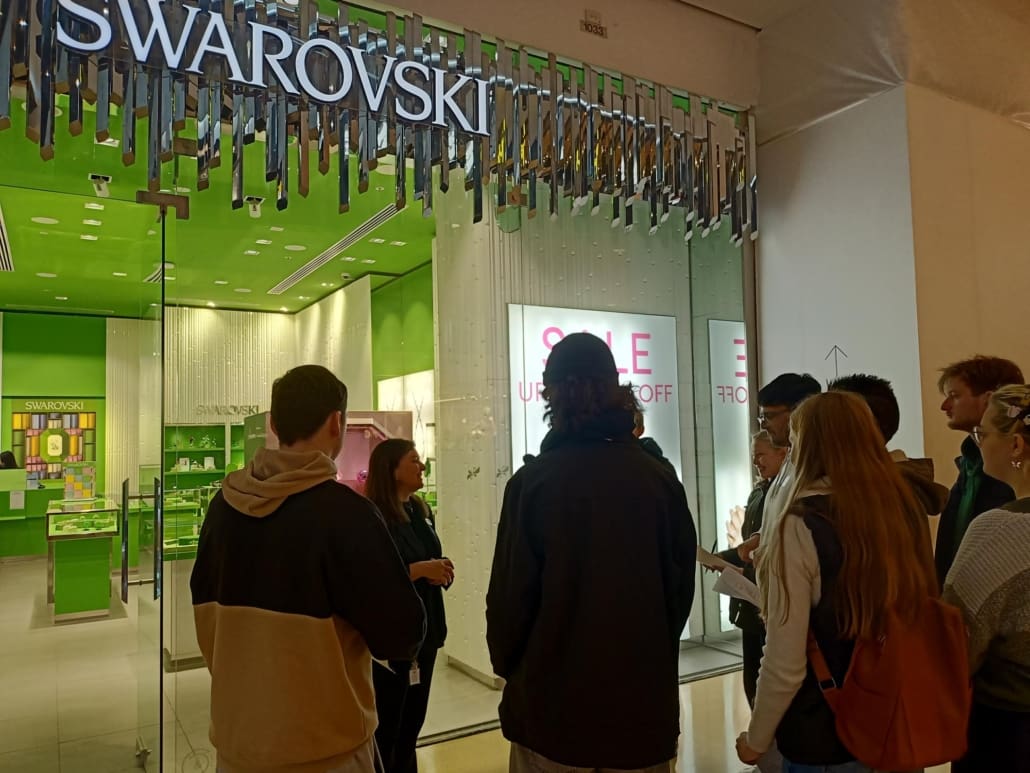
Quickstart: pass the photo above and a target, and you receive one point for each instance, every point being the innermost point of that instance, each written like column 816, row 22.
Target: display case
column 79, row 538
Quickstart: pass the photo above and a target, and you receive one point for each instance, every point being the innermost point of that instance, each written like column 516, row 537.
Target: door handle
column 159, row 537
column 125, row 541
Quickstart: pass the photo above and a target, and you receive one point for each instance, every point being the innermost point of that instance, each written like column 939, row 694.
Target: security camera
column 100, row 185
column 345, row 277
column 254, row 205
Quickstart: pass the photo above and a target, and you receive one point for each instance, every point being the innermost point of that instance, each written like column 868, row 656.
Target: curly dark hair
column 574, row 402
column 982, row 373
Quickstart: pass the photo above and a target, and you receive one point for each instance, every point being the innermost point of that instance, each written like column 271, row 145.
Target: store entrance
column 82, row 275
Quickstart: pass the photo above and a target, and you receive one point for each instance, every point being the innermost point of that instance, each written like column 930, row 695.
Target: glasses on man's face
column 766, row 416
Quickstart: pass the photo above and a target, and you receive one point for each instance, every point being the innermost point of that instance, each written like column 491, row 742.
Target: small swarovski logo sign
column 228, row 410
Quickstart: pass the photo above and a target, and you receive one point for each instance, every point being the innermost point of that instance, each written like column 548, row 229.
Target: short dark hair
column 302, row 399
column 789, row 389
column 879, row 396
column 982, row 373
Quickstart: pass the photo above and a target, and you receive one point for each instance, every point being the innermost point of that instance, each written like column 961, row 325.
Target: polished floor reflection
column 68, row 699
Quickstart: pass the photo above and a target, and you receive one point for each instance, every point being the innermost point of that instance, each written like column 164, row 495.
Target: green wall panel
column 52, row 355
column 402, row 326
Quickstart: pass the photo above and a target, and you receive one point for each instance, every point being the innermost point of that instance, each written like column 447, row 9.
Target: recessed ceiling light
column 380, row 188
column 45, row 220
column 169, row 278
column 242, row 290
column 398, row 244
column 348, row 259
column 327, row 284
column 369, row 261
column 89, row 237
column 296, row 247
column 94, row 206
column 251, row 252
column 277, row 228
column 211, row 304
column 221, row 282
column 60, row 297
column 151, row 232
column 377, row 241
column 92, row 222
column 283, row 308
column 46, row 275
column 302, row 297
column 153, row 304
column 120, row 273
column 263, row 241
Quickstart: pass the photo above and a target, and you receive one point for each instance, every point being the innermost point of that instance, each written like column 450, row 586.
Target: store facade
column 198, row 196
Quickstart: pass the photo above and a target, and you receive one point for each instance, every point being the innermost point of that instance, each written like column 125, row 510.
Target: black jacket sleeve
column 370, row 586
column 684, row 559
column 513, row 598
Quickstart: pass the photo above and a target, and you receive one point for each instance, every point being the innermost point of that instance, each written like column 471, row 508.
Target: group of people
column 320, row 611
column 836, row 532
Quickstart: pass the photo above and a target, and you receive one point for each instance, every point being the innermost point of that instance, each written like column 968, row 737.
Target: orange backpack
column 906, row 698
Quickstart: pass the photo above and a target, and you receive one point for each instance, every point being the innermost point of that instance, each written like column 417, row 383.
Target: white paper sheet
column 737, row 585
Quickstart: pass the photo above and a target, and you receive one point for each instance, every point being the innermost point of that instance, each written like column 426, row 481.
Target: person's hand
column 745, row 753
column 439, row 571
column 747, row 548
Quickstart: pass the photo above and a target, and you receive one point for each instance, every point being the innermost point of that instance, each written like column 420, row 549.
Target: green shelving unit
column 195, row 442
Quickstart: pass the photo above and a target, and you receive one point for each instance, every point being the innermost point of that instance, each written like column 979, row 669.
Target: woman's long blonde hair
column 888, row 562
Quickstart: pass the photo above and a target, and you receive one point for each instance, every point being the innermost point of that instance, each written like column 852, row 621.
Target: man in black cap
column 592, row 582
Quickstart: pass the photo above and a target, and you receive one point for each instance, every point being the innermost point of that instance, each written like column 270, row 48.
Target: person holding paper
column 767, row 459
column 777, row 400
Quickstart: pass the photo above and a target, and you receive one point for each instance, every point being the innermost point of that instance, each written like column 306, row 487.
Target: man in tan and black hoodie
column 879, row 396
column 297, row 586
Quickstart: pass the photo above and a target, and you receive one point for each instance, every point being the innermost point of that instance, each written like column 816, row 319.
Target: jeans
column 847, row 767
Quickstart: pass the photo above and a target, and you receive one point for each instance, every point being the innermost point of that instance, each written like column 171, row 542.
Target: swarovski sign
column 183, row 38
column 333, row 92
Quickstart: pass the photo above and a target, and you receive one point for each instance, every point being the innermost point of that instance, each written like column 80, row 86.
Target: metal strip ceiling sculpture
column 497, row 120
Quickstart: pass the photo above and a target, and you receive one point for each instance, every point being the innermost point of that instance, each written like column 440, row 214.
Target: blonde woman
column 852, row 544
column 990, row 583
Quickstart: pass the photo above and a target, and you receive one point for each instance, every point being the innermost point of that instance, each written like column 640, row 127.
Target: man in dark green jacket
column 967, row 388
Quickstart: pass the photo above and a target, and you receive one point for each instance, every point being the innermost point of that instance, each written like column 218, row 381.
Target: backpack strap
column 827, row 684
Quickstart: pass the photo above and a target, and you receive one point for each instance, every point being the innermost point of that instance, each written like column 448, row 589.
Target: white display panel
column 644, row 347
column 731, row 434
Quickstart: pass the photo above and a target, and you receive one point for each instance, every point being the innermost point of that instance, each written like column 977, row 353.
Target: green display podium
column 79, row 536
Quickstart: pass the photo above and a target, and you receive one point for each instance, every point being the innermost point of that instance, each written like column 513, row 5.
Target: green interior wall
column 402, row 327
column 55, row 355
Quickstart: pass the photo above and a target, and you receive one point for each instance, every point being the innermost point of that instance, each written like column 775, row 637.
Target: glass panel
column 155, row 729
column 724, row 412
column 80, row 366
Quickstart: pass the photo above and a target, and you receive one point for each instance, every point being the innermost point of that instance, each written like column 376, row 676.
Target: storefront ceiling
column 210, row 247
column 754, row 13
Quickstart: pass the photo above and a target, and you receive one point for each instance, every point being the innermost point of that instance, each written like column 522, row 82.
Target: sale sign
column 644, row 347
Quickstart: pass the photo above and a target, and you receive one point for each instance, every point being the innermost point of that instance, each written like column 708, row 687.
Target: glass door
column 154, row 728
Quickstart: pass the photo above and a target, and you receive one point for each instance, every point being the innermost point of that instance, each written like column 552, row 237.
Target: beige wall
column 970, row 202
column 665, row 41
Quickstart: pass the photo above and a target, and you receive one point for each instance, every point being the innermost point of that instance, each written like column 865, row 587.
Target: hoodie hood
column 918, row 473
column 272, row 476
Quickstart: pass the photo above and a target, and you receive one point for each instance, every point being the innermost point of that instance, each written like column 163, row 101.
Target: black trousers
column 402, row 712
column 998, row 741
column 752, row 644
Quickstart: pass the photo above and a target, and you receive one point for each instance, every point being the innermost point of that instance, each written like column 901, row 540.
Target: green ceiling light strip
column 316, row 79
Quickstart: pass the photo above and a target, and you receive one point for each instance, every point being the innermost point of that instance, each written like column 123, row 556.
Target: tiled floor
column 69, row 699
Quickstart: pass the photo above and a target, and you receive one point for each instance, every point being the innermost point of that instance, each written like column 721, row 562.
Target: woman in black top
column 402, row 691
